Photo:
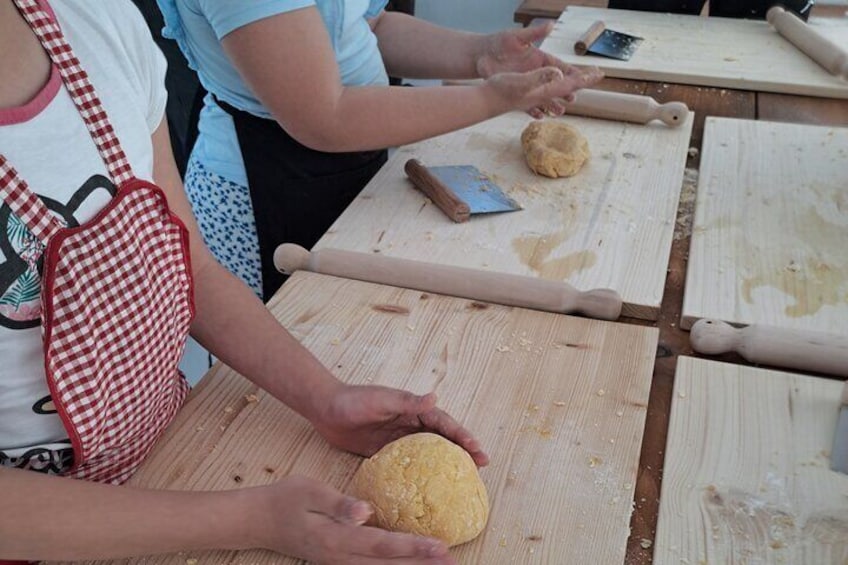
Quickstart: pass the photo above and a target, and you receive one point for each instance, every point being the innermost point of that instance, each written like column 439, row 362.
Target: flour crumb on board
column 251, row 398
column 191, row 561
column 646, row 543
column 595, row 461
column 619, row 413
column 503, row 348
column 559, row 403
column 601, row 392
column 335, row 341
column 683, row 226
column 682, row 394
column 228, row 410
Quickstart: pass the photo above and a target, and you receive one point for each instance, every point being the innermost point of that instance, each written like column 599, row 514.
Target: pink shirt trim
column 26, row 112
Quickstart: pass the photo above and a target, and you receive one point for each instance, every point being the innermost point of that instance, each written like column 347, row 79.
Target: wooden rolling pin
column 485, row 286
column 626, row 107
column 818, row 48
column 806, row 351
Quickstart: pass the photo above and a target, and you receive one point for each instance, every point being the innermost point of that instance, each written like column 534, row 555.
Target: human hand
column 307, row 519
column 513, row 51
column 362, row 419
column 541, row 91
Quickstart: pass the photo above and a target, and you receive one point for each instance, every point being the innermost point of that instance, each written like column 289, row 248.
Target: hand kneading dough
column 554, row 149
column 424, row 484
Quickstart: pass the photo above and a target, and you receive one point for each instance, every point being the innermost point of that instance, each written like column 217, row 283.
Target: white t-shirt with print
column 47, row 142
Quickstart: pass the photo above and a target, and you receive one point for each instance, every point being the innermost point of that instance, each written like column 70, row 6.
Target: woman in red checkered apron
column 99, row 288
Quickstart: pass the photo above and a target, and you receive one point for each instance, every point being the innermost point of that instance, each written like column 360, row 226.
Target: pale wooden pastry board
column 558, row 402
column 609, row 226
column 770, row 235
column 746, row 476
column 719, row 52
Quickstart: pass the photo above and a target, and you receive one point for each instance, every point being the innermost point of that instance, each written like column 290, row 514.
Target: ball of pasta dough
column 554, row 149
column 426, row 485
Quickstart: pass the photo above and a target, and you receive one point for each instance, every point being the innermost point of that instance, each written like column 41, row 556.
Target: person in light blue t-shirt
column 300, row 110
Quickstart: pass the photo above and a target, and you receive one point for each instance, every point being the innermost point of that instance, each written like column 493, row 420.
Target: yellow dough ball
column 554, row 149
column 426, row 485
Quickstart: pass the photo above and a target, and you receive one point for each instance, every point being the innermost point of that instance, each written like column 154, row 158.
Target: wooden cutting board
column 720, row 52
column 609, row 226
column 558, row 402
column 770, row 235
column 747, row 477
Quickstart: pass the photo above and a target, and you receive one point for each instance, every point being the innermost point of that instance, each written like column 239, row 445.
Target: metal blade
column 839, row 453
column 615, row 45
column 476, row 189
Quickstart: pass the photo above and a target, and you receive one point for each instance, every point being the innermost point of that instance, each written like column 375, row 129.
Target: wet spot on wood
column 390, row 308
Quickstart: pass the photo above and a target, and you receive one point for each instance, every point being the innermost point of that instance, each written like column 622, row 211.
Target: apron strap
column 82, row 92
column 25, row 204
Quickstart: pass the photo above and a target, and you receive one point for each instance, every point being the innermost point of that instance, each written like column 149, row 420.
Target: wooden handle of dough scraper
column 803, row 350
column 581, row 47
column 485, row 286
column 803, row 36
column 441, row 195
column 626, row 107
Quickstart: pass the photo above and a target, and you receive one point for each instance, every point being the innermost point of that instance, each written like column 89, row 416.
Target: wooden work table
column 530, row 10
column 673, row 342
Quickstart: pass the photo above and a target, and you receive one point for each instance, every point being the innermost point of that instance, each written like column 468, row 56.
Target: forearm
column 414, row 48
column 245, row 336
column 65, row 519
column 366, row 118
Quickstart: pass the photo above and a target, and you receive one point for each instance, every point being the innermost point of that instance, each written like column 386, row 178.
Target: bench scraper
column 459, row 190
column 598, row 40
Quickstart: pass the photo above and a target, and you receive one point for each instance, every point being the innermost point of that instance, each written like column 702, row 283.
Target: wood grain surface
column 771, row 218
column 719, row 52
column 609, row 226
column 558, row 402
column 746, row 476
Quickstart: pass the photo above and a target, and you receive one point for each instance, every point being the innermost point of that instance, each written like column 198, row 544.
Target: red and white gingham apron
column 116, row 295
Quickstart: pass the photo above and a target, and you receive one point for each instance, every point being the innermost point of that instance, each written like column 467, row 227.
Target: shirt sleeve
column 150, row 66
column 226, row 16
column 375, row 7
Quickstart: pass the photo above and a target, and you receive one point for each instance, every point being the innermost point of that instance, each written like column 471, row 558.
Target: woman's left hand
column 362, row 419
column 513, row 50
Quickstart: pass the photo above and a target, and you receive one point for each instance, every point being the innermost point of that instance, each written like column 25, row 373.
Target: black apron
column 297, row 193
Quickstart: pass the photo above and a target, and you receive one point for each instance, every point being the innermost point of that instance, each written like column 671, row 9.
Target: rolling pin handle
column 713, row 337
column 673, row 113
column 600, row 303
column 581, row 47
column 290, row 257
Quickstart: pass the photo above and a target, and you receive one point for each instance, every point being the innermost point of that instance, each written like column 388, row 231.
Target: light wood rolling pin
column 626, row 107
column 803, row 350
column 498, row 288
column 818, row 48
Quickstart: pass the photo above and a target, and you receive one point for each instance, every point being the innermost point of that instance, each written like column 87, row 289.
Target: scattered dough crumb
column 251, row 398
column 646, row 543
column 601, row 392
column 559, row 403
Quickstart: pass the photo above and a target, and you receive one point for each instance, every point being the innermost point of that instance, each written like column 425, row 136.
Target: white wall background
column 482, row 16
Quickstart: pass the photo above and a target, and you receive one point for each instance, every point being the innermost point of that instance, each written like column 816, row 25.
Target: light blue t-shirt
column 198, row 27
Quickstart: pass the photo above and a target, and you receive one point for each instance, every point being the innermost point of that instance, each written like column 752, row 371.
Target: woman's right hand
column 310, row 520
column 543, row 90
